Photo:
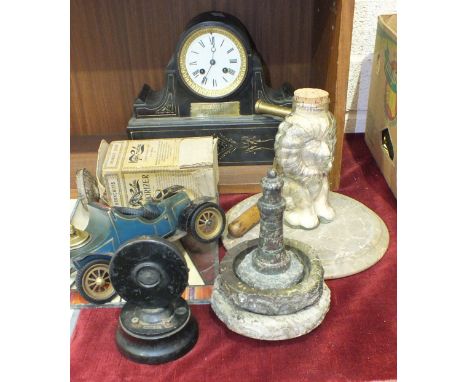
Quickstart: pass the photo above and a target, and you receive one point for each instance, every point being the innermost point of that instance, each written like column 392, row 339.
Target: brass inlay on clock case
column 213, row 81
column 207, row 109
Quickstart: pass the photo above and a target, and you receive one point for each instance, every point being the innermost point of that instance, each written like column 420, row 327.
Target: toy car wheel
column 206, row 223
column 93, row 282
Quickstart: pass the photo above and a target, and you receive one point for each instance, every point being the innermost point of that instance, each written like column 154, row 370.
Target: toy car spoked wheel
column 93, row 282
column 207, row 221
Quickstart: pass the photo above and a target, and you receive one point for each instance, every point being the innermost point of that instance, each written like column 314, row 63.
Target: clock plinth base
column 242, row 140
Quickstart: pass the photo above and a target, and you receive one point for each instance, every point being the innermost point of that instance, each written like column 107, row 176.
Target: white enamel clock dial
column 212, row 62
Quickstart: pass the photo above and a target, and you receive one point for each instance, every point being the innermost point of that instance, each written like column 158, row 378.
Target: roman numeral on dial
column 196, row 73
column 230, row 50
column 214, row 83
column 193, row 63
column 231, row 71
column 201, row 43
column 233, row 60
column 204, row 80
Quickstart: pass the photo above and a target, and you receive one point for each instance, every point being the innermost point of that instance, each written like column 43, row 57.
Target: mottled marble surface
column 247, row 272
column 351, row 243
column 265, row 327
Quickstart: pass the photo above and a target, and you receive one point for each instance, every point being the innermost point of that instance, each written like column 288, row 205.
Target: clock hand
column 206, row 75
column 212, row 61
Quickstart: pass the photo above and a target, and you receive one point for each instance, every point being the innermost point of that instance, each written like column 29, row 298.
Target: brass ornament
column 208, row 109
column 262, row 107
column 78, row 238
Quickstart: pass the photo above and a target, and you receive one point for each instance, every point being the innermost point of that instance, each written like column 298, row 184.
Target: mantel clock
column 213, row 80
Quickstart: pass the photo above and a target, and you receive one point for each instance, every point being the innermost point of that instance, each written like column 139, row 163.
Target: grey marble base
column 265, row 327
column 275, row 301
column 351, row 243
column 248, row 274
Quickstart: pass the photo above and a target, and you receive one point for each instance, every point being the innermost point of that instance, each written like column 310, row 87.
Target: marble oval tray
column 353, row 242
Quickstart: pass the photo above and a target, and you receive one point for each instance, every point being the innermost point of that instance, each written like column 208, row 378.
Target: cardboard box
column 129, row 172
column 381, row 127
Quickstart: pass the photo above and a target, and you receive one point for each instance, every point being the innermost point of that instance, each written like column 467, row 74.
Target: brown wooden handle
column 244, row 222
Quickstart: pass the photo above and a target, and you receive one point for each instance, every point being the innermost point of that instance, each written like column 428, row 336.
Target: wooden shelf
column 116, row 49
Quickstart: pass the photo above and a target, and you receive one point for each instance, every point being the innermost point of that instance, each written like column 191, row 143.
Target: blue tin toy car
column 108, row 228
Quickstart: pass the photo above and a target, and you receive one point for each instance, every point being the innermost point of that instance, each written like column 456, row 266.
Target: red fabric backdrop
column 356, row 341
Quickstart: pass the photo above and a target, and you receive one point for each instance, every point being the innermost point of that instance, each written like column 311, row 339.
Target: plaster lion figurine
column 304, row 148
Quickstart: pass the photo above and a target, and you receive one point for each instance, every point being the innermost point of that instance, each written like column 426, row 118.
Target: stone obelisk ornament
column 304, row 149
column 271, row 288
column 155, row 324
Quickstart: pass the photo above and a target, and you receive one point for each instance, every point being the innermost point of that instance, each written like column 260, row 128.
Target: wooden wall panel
column 117, row 46
column 330, row 64
column 345, row 12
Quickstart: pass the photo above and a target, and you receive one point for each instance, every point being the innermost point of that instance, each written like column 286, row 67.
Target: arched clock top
column 219, row 19
column 216, row 76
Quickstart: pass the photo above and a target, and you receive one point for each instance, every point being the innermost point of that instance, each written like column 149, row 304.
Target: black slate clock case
column 246, row 138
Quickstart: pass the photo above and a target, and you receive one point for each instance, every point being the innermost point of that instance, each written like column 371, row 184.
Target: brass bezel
column 193, row 85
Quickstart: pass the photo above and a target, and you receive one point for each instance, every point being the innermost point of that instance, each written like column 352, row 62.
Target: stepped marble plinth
column 271, row 288
column 355, row 240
